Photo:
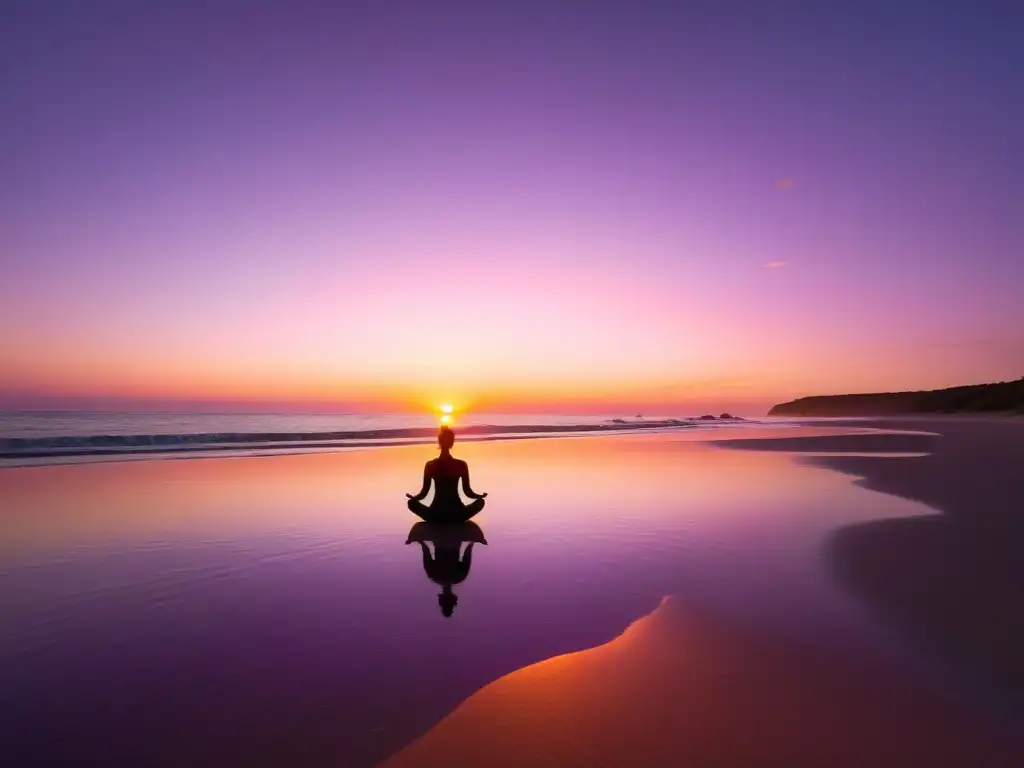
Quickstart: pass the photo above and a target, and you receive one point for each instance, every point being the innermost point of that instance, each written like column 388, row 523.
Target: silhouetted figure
column 446, row 471
column 448, row 565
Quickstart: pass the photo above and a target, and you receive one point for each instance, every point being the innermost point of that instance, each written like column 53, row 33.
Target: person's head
column 446, row 438
column 447, row 600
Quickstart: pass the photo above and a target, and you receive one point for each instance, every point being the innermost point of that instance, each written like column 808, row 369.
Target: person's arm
column 426, row 484
column 466, row 487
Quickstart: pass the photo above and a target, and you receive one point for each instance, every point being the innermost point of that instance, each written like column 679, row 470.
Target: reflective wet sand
column 262, row 610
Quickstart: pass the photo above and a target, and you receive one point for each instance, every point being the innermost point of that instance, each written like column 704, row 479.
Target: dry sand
column 681, row 690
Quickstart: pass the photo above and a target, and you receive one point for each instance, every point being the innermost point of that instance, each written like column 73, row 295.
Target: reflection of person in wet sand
column 446, row 471
column 445, row 566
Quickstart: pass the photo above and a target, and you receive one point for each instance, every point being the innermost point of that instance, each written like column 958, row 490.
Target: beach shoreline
column 890, row 564
column 17, row 449
column 332, row 497
column 680, row 688
column 952, row 581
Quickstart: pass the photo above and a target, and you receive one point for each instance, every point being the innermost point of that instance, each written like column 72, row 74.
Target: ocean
column 47, row 437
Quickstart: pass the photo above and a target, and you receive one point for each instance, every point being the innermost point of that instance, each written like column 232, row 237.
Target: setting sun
column 446, row 409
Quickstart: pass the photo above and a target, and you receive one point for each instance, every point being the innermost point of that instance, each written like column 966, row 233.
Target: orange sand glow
column 677, row 690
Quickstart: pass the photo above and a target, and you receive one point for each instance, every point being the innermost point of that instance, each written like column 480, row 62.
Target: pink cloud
column 776, row 264
column 785, row 184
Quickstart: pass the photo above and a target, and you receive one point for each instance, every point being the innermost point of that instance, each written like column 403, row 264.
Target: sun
column 446, row 418
column 446, row 408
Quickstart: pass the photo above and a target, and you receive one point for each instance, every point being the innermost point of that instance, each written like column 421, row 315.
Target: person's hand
column 481, row 495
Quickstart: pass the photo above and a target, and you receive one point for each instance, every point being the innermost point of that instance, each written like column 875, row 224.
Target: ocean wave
column 96, row 445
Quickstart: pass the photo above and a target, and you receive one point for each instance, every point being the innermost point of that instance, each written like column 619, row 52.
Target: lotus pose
column 446, row 471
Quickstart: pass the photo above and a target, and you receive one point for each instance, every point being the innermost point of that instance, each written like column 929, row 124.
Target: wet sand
column 264, row 611
column 268, row 611
column 680, row 688
column 953, row 582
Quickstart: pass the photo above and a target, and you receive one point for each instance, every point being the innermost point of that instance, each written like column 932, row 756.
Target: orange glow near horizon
column 599, row 353
column 658, row 377
column 543, row 240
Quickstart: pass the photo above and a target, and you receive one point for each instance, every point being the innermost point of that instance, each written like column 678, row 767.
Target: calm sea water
column 46, row 424
column 48, row 437
column 268, row 611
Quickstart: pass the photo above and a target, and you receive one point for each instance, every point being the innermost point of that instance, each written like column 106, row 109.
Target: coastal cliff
column 1007, row 396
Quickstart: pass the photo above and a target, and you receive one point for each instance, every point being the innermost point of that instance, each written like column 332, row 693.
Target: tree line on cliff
column 1001, row 397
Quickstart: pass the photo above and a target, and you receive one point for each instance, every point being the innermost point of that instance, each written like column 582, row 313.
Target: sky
column 572, row 206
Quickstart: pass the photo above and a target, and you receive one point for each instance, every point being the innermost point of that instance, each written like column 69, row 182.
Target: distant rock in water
column 1004, row 397
column 639, row 416
column 729, row 416
column 707, row 417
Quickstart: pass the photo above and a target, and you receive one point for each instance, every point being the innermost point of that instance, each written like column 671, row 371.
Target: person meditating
column 446, row 471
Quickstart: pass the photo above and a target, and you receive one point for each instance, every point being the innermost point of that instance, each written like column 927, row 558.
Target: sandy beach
column 269, row 609
column 677, row 689
column 680, row 689
column 953, row 581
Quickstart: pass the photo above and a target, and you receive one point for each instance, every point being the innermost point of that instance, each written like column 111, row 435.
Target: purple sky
column 507, row 205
